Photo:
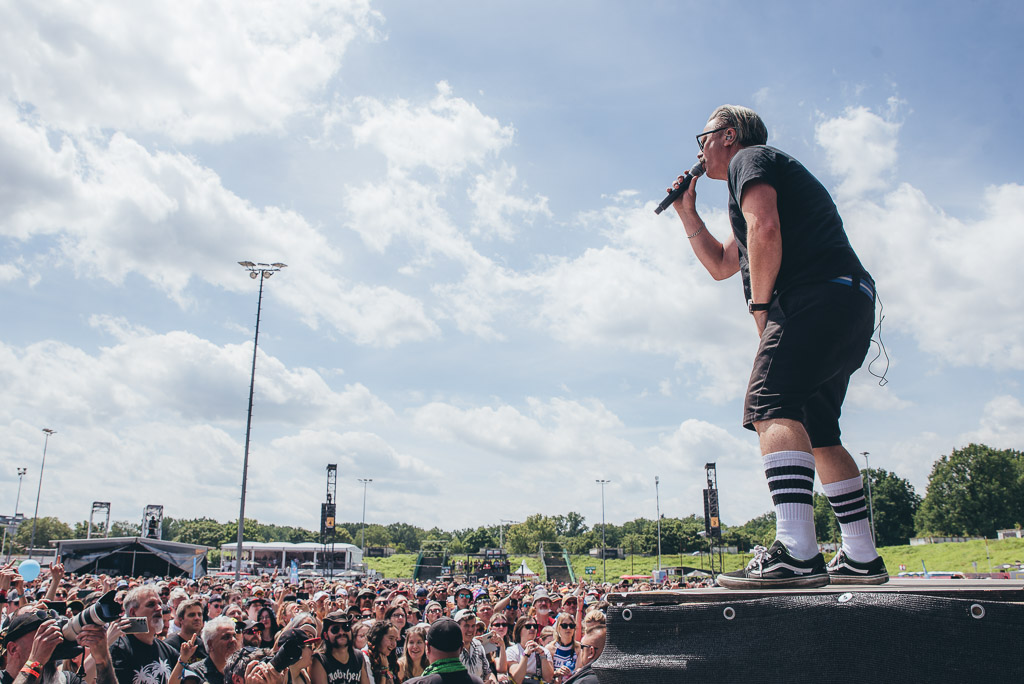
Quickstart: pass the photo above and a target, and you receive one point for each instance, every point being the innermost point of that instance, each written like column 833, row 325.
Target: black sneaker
column 844, row 570
column 774, row 568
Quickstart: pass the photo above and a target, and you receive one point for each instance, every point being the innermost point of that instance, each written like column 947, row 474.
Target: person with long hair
column 528, row 662
column 398, row 616
column 414, row 659
column 381, row 643
column 564, row 649
column 268, row 626
column 499, row 629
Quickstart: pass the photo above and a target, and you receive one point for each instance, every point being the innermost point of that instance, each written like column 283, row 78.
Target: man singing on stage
column 813, row 304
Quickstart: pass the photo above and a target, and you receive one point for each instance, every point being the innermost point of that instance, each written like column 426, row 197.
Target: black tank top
column 342, row 673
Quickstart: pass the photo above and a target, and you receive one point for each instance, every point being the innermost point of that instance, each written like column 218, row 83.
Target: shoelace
column 760, row 556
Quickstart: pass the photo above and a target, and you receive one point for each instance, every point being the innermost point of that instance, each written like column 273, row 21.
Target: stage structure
column 99, row 506
column 152, row 522
column 131, row 556
column 712, row 522
column 327, row 511
column 908, row 630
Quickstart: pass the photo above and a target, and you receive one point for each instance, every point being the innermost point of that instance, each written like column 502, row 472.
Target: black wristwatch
column 752, row 307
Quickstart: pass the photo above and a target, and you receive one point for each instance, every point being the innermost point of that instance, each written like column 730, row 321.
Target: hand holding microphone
column 697, row 170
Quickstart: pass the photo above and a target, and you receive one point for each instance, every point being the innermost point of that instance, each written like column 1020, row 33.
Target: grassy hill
column 953, row 557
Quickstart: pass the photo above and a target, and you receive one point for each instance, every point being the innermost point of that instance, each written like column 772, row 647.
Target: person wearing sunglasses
column 432, row 612
column 813, row 305
column 564, row 649
column 528, row 662
column 591, row 648
column 336, row 661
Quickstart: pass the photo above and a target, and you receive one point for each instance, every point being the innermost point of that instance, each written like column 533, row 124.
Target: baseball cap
column 461, row 615
column 445, row 635
column 22, row 625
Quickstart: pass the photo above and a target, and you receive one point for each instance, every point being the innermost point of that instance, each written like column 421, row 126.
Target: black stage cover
column 133, row 556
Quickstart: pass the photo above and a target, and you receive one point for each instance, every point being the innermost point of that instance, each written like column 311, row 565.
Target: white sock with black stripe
column 791, row 481
column 851, row 509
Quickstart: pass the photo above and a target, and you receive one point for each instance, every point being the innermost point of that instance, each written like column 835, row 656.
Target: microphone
column 673, row 195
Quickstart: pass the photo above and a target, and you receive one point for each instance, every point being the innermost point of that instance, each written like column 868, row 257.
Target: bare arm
column 760, row 208
column 721, row 259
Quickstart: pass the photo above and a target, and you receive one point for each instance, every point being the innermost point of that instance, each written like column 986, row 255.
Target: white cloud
column 495, row 206
column 190, row 70
column 1001, row 425
column 177, row 375
column 861, row 148
column 446, row 135
column 118, row 209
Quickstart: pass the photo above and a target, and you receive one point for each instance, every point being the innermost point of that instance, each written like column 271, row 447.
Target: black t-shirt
column 208, row 671
column 815, row 247
column 342, row 673
column 177, row 640
column 136, row 662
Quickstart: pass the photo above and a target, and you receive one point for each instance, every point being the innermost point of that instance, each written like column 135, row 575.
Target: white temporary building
column 260, row 556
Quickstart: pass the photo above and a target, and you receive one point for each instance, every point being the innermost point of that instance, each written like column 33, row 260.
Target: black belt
column 858, row 283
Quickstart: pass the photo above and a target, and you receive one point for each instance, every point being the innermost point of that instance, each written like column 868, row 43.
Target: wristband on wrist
column 752, row 307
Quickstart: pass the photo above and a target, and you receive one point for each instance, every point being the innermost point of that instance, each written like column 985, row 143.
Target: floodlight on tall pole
column 17, row 501
column 604, row 546
column 657, row 503
column 871, row 505
column 262, row 272
column 362, row 526
column 35, row 516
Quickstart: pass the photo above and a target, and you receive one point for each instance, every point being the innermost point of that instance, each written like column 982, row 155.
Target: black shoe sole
column 813, row 581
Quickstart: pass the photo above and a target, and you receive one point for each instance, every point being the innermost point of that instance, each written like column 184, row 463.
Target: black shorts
column 816, row 337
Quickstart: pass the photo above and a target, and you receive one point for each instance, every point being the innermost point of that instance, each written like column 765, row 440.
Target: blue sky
column 481, row 311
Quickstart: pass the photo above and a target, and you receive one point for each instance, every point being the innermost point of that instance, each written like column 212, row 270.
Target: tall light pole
column 257, row 272
column 35, row 516
column 17, row 501
column 362, row 527
column 871, row 505
column 604, row 547
column 657, row 503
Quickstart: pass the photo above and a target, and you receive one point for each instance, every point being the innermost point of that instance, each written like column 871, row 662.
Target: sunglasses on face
column 568, row 625
column 499, row 624
column 533, row 626
column 335, row 629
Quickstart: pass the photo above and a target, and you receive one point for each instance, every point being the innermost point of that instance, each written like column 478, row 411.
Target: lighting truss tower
column 327, row 511
column 99, row 506
column 712, row 523
column 152, row 519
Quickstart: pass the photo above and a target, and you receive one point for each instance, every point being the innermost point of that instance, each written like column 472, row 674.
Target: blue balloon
column 29, row 570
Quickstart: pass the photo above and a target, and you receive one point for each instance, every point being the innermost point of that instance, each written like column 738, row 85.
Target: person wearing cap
column 337, row 661
column 221, row 639
column 142, row 658
column 444, row 645
column 473, row 655
column 463, row 597
column 364, row 600
column 29, row 641
column 542, row 607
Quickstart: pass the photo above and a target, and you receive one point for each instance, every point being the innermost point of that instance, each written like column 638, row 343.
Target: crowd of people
column 98, row 629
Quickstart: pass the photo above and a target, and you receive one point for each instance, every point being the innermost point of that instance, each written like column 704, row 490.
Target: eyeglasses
column 465, row 596
column 434, row 610
column 568, row 625
column 531, row 626
column 588, row 647
column 499, row 624
column 701, row 136
column 334, row 629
